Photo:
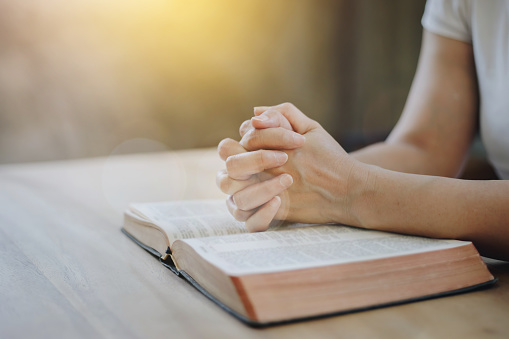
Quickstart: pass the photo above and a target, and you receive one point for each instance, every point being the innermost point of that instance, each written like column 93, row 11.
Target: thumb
column 271, row 119
column 299, row 122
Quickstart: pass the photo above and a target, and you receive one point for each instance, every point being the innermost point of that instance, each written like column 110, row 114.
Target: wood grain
column 66, row 270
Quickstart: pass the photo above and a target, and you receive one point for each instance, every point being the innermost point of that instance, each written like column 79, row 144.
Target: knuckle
column 224, row 147
column 239, row 201
column 250, row 140
column 271, row 112
column 245, row 127
column 225, row 142
column 256, row 139
column 240, row 215
column 287, row 136
column 231, row 163
column 287, row 105
column 264, row 159
column 256, row 226
column 224, row 185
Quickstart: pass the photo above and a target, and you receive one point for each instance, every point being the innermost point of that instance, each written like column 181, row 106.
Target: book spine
column 168, row 262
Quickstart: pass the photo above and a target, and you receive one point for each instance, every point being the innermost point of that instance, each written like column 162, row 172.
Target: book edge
column 168, row 263
column 167, row 260
column 257, row 324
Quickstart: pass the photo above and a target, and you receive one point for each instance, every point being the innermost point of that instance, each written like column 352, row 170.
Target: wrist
column 360, row 194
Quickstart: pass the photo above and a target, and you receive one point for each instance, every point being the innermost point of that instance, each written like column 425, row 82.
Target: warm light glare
column 80, row 77
column 77, row 78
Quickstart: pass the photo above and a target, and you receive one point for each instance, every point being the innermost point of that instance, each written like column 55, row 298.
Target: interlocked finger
column 298, row 120
column 260, row 220
column 271, row 118
column 245, row 127
column 237, row 213
column 228, row 147
column 256, row 195
column 242, row 166
column 271, row 138
column 231, row 186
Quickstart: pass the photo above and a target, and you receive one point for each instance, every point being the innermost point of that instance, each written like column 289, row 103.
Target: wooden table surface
column 66, row 270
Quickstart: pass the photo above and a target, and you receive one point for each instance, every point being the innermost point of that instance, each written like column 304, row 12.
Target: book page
column 308, row 246
column 190, row 219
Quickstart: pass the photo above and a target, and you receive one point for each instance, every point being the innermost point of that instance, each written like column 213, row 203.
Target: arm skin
column 369, row 189
column 439, row 120
column 436, row 207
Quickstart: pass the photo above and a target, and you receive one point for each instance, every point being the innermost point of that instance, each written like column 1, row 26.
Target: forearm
column 403, row 157
column 436, row 207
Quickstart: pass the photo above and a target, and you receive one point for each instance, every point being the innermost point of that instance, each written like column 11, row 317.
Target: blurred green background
column 78, row 78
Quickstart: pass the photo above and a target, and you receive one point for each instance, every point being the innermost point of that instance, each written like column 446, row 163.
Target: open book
column 299, row 271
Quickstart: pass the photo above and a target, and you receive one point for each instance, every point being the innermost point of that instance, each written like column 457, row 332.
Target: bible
column 297, row 271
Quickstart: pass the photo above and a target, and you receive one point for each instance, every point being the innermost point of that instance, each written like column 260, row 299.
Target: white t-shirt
column 485, row 24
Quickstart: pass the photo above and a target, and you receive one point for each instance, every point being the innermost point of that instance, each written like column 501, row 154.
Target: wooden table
column 66, row 270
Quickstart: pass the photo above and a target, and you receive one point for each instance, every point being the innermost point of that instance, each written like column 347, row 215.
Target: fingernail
column 256, row 109
column 281, row 157
column 298, row 138
column 286, row 180
column 261, row 118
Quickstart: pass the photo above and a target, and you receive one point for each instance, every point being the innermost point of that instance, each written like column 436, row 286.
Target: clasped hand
column 287, row 167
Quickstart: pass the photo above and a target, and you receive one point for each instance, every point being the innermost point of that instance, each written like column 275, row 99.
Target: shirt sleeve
column 449, row 18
